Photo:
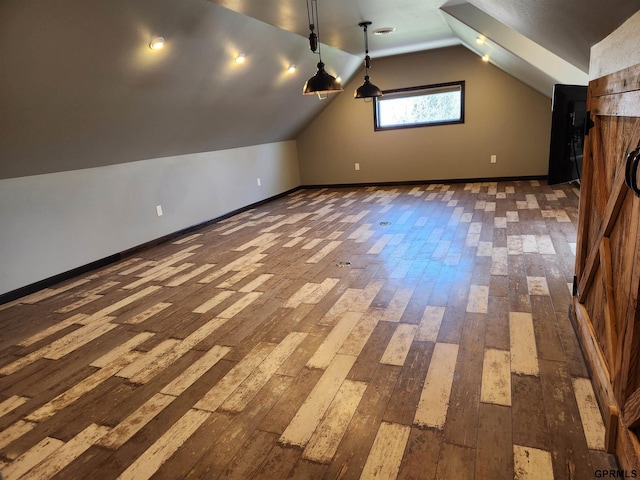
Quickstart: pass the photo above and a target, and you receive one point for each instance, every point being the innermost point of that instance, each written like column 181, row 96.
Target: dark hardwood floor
column 384, row 332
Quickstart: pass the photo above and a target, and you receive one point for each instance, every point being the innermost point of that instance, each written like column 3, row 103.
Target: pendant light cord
column 366, row 41
column 314, row 23
column 315, row 13
column 309, row 18
column 367, row 59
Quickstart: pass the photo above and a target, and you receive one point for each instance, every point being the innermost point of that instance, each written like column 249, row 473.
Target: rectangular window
column 424, row 106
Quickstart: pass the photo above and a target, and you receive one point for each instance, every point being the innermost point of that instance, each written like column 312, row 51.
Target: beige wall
column 617, row 51
column 502, row 117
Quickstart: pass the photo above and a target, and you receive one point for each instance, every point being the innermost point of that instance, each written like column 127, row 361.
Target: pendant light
column 321, row 83
column 367, row 89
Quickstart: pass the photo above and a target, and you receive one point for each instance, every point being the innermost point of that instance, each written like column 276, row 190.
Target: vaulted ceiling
column 80, row 88
column 541, row 43
column 567, row 28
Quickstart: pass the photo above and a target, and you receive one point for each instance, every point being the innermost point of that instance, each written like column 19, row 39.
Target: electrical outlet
column 357, row 165
column 494, row 159
column 259, row 182
column 159, row 210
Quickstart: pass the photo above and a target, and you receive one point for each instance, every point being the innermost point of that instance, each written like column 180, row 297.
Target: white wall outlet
column 259, row 182
column 357, row 166
column 494, row 158
column 159, row 210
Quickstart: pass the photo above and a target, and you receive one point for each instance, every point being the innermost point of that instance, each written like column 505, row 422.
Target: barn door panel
column 608, row 258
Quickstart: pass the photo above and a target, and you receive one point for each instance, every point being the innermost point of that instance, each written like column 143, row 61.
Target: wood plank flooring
column 252, row 349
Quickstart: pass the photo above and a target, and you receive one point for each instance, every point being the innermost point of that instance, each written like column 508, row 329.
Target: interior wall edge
column 61, row 277
column 427, row 182
column 54, row 223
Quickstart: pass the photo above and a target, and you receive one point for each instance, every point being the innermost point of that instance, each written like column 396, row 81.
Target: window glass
column 420, row 106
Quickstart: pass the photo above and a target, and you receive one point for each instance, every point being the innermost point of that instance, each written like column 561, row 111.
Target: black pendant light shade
column 367, row 89
column 321, row 83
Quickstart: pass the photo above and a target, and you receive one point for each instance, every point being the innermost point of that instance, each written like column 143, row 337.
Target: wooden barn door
column 605, row 301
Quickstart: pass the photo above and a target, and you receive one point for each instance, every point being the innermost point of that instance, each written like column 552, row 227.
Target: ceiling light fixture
column 367, row 89
column 292, row 68
column 480, row 40
column 321, row 83
column 384, row 31
column 485, row 58
column 156, row 43
column 240, row 58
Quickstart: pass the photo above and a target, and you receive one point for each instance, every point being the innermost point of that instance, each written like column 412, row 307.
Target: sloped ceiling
column 80, row 88
column 567, row 28
column 418, row 23
column 511, row 51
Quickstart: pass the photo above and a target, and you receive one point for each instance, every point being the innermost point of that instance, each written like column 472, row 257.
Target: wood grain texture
column 494, row 449
column 607, row 268
column 434, row 400
column 496, row 377
column 531, row 464
column 387, row 451
column 243, row 351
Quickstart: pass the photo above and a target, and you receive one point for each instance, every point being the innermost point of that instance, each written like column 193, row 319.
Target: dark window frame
column 410, row 92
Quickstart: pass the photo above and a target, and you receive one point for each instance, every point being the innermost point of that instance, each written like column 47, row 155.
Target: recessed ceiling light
column 240, row 58
column 485, row 58
column 480, row 40
column 292, row 68
column 384, row 30
column 156, row 43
